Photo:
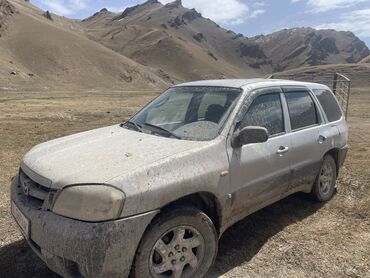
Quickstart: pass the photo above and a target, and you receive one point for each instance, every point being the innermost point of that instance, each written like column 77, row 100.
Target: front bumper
column 74, row 248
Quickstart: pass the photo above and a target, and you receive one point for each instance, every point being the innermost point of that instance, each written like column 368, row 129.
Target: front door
column 261, row 172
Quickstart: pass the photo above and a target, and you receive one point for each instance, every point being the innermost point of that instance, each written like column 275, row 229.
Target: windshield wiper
column 163, row 129
column 132, row 123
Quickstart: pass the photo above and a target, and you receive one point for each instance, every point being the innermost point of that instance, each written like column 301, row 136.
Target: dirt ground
column 293, row 238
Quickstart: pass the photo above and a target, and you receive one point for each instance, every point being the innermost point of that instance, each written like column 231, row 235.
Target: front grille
column 37, row 195
column 32, row 188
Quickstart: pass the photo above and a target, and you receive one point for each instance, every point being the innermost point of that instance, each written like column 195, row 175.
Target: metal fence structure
column 340, row 84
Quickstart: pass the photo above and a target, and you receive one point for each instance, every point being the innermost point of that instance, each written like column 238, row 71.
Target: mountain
column 366, row 60
column 36, row 51
column 180, row 43
column 6, row 10
column 291, row 48
column 150, row 45
column 177, row 42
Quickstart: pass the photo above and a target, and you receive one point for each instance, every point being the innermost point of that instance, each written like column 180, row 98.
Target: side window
column 265, row 111
column 329, row 104
column 302, row 109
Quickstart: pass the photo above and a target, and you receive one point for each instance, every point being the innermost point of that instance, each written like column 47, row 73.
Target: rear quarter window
column 329, row 104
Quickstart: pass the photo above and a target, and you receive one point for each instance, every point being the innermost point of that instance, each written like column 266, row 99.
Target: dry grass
column 293, row 238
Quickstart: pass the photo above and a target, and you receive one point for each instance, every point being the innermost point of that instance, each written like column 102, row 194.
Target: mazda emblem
column 25, row 188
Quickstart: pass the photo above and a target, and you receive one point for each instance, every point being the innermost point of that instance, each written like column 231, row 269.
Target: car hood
column 97, row 156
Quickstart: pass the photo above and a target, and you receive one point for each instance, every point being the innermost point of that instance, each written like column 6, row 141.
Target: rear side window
column 329, row 104
column 265, row 111
column 302, row 109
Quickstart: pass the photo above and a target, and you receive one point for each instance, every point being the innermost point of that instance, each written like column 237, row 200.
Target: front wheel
column 324, row 186
column 181, row 243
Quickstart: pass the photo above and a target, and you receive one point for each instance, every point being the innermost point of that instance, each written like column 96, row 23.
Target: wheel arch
column 335, row 154
column 204, row 201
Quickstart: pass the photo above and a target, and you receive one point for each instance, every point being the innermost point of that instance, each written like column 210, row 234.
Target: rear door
column 305, row 123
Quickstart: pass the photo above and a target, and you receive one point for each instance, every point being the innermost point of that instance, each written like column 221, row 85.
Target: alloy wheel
column 177, row 253
column 326, row 178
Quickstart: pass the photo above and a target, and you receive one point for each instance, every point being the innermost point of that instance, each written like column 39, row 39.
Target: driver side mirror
column 250, row 135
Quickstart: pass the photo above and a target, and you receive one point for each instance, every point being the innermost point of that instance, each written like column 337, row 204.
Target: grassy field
column 293, row 238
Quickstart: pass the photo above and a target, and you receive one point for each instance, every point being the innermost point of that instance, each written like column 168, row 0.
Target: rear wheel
column 324, row 186
column 181, row 243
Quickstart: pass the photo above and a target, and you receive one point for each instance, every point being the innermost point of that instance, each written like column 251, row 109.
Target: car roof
column 253, row 83
column 232, row 83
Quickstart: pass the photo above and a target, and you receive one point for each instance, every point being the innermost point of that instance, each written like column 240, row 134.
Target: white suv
column 151, row 197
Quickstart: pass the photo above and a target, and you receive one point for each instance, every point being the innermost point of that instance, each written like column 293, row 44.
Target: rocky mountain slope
column 181, row 43
column 151, row 45
column 292, row 48
column 6, row 10
column 178, row 42
column 366, row 60
column 38, row 52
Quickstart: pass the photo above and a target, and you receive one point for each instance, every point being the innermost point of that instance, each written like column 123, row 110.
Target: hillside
column 358, row 73
column 6, row 11
column 166, row 36
column 366, row 60
column 38, row 52
column 292, row 48
column 178, row 42
column 150, row 45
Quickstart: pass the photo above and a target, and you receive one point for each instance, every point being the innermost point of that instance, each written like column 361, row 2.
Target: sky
column 249, row 17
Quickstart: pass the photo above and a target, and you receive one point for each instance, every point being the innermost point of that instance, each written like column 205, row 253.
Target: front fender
column 156, row 185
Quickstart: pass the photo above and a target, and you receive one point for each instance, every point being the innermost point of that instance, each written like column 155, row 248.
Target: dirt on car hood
column 99, row 155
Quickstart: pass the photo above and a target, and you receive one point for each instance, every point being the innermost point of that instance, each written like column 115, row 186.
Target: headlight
column 91, row 203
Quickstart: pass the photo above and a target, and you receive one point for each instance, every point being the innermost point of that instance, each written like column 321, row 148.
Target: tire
column 324, row 186
column 179, row 243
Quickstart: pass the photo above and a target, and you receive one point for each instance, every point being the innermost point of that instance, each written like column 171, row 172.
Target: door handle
column 282, row 150
column 321, row 139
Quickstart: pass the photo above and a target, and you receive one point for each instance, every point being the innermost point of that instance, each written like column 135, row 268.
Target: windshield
column 189, row 113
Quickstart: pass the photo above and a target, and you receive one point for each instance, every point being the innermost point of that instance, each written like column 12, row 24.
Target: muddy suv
column 151, row 197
